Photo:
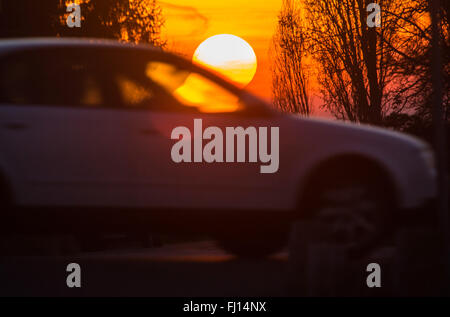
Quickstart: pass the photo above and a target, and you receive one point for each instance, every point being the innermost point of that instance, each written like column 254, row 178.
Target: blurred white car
column 86, row 136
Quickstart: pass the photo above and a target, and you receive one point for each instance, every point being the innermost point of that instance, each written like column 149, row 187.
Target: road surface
column 186, row 269
column 202, row 269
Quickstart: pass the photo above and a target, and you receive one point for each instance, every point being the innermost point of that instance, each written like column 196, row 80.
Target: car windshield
column 193, row 89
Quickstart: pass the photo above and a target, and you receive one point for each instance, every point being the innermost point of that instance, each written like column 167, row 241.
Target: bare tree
column 289, row 78
column 413, row 57
column 379, row 75
column 356, row 72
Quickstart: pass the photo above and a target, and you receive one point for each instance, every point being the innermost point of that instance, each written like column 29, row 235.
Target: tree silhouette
column 28, row 18
column 137, row 21
column 289, row 77
column 356, row 72
column 127, row 20
column 378, row 75
column 413, row 61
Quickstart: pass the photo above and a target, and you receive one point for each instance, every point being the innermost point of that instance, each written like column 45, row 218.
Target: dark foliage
column 127, row 20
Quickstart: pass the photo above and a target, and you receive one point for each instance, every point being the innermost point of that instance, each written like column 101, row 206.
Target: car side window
column 193, row 89
column 144, row 81
column 134, row 91
column 15, row 85
column 52, row 77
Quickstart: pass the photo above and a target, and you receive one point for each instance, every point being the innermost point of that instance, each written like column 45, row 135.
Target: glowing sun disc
column 229, row 55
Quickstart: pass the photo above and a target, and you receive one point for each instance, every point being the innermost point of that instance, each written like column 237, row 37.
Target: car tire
column 349, row 219
column 354, row 200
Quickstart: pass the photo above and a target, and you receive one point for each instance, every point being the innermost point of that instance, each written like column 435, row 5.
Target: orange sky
column 190, row 22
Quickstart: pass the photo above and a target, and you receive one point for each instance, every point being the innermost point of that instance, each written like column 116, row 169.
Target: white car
column 94, row 137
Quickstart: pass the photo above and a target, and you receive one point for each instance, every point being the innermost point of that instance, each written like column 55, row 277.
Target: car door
column 189, row 96
column 60, row 133
column 150, row 176
column 235, row 183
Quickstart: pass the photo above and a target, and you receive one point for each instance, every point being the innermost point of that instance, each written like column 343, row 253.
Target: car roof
column 19, row 44
column 37, row 42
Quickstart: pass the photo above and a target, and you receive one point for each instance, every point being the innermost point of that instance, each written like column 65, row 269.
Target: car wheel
column 353, row 200
column 349, row 220
column 353, row 215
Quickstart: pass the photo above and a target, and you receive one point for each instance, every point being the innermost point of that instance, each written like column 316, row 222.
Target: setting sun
column 229, row 55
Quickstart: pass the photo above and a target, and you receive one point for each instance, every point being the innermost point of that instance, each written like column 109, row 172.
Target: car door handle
column 15, row 126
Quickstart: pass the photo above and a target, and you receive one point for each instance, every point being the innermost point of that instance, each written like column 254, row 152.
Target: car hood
column 360, row 131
